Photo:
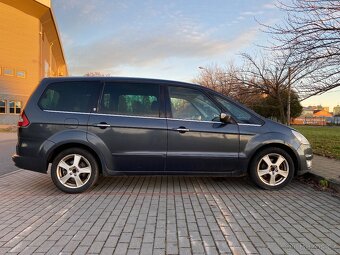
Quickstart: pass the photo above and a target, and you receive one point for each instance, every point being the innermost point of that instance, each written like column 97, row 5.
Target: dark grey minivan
column 82, row 127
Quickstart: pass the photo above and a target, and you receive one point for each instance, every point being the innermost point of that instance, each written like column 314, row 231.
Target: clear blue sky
column 163, row 39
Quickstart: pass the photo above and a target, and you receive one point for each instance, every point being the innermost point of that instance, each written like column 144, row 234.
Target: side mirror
column 225, row 118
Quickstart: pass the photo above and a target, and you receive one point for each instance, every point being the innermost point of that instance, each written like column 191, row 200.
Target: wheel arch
column 282, row 146
column 65, row 146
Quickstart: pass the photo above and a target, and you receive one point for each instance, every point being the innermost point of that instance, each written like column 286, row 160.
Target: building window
column 21, row 74
column 2, row 106
column 14, row 107
column 8, row 71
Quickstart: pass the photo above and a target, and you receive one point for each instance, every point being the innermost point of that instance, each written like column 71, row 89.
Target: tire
column 272, row 169
column 74, row 170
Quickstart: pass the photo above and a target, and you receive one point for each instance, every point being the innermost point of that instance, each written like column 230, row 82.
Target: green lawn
column 325, row 140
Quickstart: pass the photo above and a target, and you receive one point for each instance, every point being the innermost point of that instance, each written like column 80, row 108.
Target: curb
column 333, row 184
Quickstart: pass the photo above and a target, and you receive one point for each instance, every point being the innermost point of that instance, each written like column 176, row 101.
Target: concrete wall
column 29, row 44
column 19, row 50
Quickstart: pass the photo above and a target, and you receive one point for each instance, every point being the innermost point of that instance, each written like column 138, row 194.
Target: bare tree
column 272, row 75
column 224, row 80
column 311, row 35
column 259, row 79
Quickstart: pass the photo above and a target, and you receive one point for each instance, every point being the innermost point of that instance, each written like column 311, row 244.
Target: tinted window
column 191, row 104
column 70, row 96
column 241, row 115
column 2, row 106
column 131, row 99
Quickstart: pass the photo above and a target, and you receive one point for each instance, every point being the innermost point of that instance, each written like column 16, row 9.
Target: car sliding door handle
column 102, row 125
column 183, row 129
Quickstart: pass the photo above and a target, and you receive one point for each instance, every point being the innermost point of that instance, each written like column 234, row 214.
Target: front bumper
column 305, row 157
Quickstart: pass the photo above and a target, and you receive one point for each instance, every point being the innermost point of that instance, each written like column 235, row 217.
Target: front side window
column 237, row 112
column 130, row 99
column 191, row 104
column 71, row 96
column 2, row 106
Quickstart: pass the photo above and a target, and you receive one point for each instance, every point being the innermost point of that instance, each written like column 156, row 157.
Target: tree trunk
column 281, row 109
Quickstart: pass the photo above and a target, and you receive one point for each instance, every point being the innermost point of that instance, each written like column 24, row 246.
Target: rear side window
column 71, row 96
column 131, row 99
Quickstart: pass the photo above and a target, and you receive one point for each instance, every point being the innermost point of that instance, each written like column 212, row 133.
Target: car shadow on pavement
column 27, row 183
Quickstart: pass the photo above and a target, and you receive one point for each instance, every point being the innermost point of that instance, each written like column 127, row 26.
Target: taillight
column 23, row 120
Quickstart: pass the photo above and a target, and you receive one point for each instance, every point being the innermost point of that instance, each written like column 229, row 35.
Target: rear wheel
column 74, row 170
column 272, row 168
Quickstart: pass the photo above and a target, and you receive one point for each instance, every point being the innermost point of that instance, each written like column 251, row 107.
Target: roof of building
column 322, row 113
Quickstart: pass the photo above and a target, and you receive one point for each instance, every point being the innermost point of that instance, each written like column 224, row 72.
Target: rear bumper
column 29, row 163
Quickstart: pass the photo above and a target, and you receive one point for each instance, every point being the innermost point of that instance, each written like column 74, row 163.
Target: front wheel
column 74, row 170
column 272, row 169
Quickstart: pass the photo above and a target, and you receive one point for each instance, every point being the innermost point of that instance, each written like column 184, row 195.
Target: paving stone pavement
column 165, row 215
column 326, row 167
column 7, row 149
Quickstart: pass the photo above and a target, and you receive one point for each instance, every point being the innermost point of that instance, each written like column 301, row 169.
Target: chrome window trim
column 53, row 111
column 145, row 117
column 128, row 116
column 249, row 124
column 206, row 121
column 105, row 114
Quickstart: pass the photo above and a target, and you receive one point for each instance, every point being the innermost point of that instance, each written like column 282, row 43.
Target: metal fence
column 316, row 121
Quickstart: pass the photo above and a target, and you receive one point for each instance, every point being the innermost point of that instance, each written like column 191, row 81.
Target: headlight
column 300, row 137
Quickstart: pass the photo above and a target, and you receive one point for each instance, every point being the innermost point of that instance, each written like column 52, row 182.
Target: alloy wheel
column 273, row 169
column 73, row 171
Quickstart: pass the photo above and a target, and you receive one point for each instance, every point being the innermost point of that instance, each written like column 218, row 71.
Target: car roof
column 141, row 80
column 117, row 79
column 127, row 80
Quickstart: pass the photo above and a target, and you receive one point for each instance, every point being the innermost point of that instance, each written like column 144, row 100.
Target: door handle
column 183, row 130
column 102, row 125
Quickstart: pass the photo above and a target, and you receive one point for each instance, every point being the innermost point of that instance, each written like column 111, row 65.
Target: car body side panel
column 252, row 138
column 63, row 138
column 206, row 147
column 136, row 144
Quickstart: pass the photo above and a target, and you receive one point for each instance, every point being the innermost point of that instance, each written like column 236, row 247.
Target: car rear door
column 197, row 140
column 129, row 122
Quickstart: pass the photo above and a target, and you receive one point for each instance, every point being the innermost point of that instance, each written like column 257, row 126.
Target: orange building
column 30, row 49
column 322, row 113
column 318, row 118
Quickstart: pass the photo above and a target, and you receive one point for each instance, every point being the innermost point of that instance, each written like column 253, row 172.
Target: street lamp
column 288, row 99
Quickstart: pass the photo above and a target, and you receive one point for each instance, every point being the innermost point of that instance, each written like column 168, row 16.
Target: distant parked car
column 83, row 127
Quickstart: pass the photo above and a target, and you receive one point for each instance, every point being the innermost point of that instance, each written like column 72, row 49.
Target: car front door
column 197, row 140
column 130, row 125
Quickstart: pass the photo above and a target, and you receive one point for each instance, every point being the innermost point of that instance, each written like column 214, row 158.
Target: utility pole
column 288, row 99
